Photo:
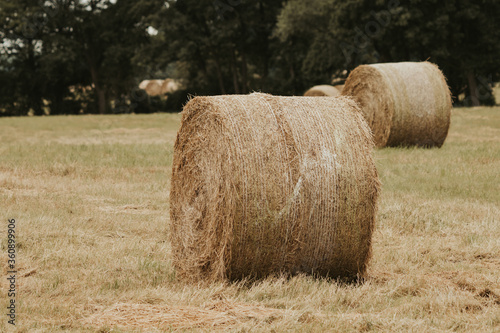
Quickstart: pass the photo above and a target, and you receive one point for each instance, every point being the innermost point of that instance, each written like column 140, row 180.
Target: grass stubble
column 90, row 196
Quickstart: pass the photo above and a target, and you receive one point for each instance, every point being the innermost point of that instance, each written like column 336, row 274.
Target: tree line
column 88, row 56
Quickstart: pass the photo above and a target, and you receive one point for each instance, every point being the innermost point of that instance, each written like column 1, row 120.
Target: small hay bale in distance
column 339, row 87
column 264, row 185
column 143, row 84
column 169, row 86
column 153, row 88
column 166, row 86
column 405, row 104
column 323, row 90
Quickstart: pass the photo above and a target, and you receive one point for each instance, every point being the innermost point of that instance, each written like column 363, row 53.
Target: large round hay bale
column 407, row 103
column 323, row 90
column 264, row 185
column 153, row 88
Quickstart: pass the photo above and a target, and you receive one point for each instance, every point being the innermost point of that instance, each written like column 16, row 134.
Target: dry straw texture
column 405, row 103
column 323, row 90
column 222, row 314
column 264, row 184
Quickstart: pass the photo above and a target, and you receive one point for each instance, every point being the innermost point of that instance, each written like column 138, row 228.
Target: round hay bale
column 174, row 85
column 143, row 84
column 169, row 86
column 153, row 88
column 339, row 87
column 264, row 185
column 165, row 89
column 405, row 104
column 323, row 90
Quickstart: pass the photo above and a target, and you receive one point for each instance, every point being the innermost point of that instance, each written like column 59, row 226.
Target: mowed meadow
column 90, row 196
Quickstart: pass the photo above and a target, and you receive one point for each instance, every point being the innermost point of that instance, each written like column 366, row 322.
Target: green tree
column 20, row 55
column 459, row 35
column 220, row 46
column 105, row 35
column 51, row 45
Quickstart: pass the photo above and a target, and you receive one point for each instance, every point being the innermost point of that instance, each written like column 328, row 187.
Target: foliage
column 104, row 48
column 459, row 35
column 62, row 45
column 219, row 46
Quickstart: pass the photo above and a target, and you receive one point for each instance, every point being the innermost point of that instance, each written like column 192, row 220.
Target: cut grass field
column 90, row 198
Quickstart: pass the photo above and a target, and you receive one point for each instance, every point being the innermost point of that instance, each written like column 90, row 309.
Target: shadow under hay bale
column 405, row 103
column 323, row 90
column 264, row 185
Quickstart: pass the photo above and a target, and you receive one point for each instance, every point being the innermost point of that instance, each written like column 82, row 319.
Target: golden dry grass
column 90, row 195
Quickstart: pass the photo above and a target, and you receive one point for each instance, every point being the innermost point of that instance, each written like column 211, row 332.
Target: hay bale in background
column 265, row 184
column 405, row 103
column 323, row 90
column 339, row 87
column 165, row 87
column 169, row 86
column 143, row 84
column 153, row 88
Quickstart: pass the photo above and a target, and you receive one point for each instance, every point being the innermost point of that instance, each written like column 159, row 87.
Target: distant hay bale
column 165, row 87
column 153, row 88
column 169, row 86
column 405, row 103
column 174, row 85
column 143, row 84
column 323, row 90
column 264, row 184
column 339, row 87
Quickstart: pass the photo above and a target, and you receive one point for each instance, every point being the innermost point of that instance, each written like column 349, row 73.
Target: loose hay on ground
column 265, row 185
column 146, row 316
column 404, row 103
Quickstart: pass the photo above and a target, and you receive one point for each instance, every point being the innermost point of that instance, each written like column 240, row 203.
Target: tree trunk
column 101, row 95
column 264, row 40
column 219, row 76
column 294, row 81
column 234, row 69
column 474, row 92
column 244, row 74
column 101, row 100
column 33, row 91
